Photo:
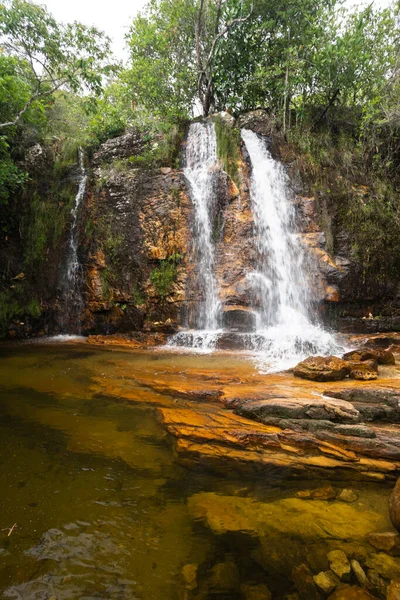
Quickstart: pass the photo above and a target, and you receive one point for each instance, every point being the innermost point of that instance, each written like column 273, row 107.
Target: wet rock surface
column 322, row 368
column 252, row 421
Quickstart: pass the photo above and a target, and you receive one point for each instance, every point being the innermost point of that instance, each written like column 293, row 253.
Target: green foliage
column 11, row 176
column 51, row 55
column 228, row 147
column 138, row 296
column 45, row 222
column 106, row 287
column 373, row 220
column 164, row 276
column 16, row 302
column 161, row 74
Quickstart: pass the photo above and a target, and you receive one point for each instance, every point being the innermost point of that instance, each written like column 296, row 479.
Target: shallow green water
column 92, row 502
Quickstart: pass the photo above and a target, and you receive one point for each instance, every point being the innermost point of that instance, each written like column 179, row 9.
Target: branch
column 198, row 49
column 322, row 115
column 226, row 30
column 35, row 96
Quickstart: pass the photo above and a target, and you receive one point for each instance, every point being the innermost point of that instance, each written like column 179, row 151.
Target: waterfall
column 73, row 301
column 201, row 173
column 280, row 283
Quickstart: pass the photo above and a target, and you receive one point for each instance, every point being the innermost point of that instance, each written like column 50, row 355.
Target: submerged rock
column 351, row 592
column 322, row 368
column 189, row 576
column 339, row 564
column 255, row 592
column 386, row 541
column 387, row 566
column 310, row 520
column 326, row 581
column 359, row 573
column 304, row 582
column 393, row 590
column 224, row 577
column 347, row 495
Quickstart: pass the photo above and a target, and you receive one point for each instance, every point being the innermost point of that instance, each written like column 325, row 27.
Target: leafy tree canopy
column 48, row 55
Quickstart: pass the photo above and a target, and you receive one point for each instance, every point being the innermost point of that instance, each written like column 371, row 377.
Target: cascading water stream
column 280, row 284
column 72, row 296
column 201, row 174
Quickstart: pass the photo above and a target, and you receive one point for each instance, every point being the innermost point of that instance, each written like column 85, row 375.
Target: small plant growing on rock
column 163, row 277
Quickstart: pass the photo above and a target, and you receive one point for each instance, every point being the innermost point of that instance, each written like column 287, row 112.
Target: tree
column 162, row 75
column 212, row 27
column 49, row 55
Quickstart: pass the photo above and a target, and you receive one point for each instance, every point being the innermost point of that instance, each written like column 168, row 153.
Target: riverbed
column 97, row 503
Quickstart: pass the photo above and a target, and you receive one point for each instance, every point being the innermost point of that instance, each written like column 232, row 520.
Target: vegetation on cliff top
column 328, row 77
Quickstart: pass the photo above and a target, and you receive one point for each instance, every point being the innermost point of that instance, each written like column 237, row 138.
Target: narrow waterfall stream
column 201, row 174
column 285, row 332
column 72, row 281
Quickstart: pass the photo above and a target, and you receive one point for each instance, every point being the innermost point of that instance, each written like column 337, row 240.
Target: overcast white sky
column 114, row 16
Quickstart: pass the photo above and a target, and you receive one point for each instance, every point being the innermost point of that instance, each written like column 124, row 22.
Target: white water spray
column 201, row 174
column 280, row 283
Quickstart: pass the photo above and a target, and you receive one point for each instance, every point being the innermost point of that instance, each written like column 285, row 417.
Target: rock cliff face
column 139, row 266
column 136, row 246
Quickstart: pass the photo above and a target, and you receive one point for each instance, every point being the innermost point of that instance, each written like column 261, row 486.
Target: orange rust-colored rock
column 322, row 368
column 366, row 370
column 382, row 356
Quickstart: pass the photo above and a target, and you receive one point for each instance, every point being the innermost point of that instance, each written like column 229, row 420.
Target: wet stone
column 326, row 581
column 386, row 541
column 387, row 566
column 379, row 585
column 322, row 368
column 350, row 592
column 393, row 590
column 347, row 495
column 339, row 564
column 304, row 582
column 359, row 573
column 255, row 592
column 363, row 370
column 224, row 576
column 189, row 576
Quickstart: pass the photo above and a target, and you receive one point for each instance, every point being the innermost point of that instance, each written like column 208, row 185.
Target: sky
column 111, row 16
column 115, row 16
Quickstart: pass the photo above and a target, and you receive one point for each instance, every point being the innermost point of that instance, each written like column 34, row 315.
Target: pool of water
column 94, row 505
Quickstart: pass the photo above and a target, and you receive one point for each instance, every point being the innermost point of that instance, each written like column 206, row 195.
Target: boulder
column 394, row 506
column 189, row 576
column 347, row 495
column 350, row 592
column 224, row 577
column 382, row 356
column 359, row 573
column 393, row 590
column 326, row 581
column 295, row 518
column 387, row 566
column 364, row 370
column 387, row 541
column 255, row 592
column 322, row 368
column 339, row 564
column 304, row 582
